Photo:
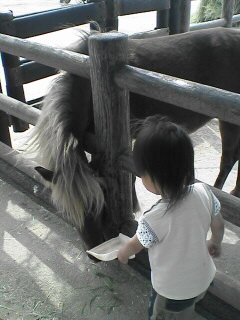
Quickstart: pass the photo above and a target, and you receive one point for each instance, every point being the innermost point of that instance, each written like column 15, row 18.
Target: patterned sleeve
column 216, row 205
column 146, row 235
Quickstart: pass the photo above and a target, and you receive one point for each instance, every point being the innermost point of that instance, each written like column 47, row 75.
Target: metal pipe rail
column 212, row 102
column 213, row 23
column 57, row 58
column 236, row 18
column 208, row 24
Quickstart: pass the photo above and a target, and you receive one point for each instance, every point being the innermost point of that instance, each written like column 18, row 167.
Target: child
column 175, row 228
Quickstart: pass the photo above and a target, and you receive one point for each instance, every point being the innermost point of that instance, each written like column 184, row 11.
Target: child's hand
column 122, row 257
column 213, row 248
column 132, row 247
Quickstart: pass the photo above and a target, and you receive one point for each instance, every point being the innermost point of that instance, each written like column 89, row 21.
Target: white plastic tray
column 108, row 250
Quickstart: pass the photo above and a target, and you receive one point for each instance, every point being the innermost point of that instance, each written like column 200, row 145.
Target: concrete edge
column 227, row 289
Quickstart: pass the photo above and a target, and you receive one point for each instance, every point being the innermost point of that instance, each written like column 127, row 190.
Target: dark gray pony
column 65, row 130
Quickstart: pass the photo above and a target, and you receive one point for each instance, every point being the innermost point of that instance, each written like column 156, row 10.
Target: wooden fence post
column 162, row 20
column 111, row 22
column 179, row 20
column 108, row 52
column 185, row 12
column 174, row 17
column 227, row 12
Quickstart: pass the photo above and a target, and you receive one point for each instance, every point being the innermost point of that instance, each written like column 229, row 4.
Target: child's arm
column 132, row 247
column 217, row 228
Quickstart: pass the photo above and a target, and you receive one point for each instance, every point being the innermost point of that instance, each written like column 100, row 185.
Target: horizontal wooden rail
column 133, row 6
column 213, row 102
column 19, row 162
column 19, row 109
column 32, row 71
column 210, row 101
column 57, row 58
column 230, row 206
column 52, row 20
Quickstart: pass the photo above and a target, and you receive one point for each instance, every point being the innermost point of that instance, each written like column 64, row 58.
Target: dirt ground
column 45, row 273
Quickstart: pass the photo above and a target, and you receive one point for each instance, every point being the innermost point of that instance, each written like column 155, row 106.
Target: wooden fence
column 187, row 94
column 193, row 96
column 21, row 71
column 172, row 14
column 117, row 81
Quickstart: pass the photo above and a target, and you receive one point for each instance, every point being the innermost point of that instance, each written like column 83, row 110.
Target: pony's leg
column 236, row 191
column 230, row 135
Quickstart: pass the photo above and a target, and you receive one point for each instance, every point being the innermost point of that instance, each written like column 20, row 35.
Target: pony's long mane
column 59, row 148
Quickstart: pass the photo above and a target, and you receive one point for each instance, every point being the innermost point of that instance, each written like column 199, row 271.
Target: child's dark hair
column 164, row 151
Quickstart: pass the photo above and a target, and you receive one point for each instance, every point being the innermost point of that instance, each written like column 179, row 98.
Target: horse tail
column 58, row 141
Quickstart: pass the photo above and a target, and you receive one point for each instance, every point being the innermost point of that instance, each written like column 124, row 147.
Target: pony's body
column 66, row 128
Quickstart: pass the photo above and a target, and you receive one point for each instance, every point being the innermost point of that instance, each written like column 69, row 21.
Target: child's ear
column 45, row 173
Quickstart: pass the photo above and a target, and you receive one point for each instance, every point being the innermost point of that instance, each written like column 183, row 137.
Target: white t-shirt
column 181, row 266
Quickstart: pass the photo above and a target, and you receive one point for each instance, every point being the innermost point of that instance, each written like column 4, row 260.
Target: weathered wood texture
column 230, row 206
column 213, row 102
column 58, row 58
column 108, row 52
column 19, row 109
column 17, row 161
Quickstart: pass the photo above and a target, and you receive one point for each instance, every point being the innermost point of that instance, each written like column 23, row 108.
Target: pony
column 64, row 132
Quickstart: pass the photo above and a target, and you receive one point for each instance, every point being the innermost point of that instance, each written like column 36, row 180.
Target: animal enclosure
column 209, row 101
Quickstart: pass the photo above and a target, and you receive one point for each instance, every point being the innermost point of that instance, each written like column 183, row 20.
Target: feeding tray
column 108, row 250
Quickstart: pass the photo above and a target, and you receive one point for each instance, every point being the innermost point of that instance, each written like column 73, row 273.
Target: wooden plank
column 230, row 206
column 38, row 23
column 57, row 58
column 213, row 102
column 19, row 109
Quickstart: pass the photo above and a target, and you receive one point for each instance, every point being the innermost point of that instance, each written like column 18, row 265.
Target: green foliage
column 211, row 10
